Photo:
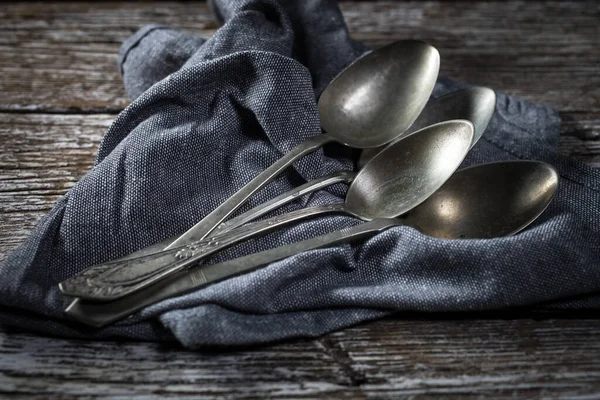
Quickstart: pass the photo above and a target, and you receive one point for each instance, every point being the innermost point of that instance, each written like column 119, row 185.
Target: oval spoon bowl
column 476, row 104
column 488, row 200
column 380, row 95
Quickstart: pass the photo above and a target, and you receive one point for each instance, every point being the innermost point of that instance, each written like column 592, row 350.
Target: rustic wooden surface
column 60, row 89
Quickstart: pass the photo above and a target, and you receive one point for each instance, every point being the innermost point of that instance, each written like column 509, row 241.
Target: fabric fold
column 207, row 115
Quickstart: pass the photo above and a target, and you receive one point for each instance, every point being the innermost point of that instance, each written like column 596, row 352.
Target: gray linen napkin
column 207, row 116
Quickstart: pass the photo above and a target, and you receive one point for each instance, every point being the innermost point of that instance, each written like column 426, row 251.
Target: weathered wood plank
column 41, row 157
column 522, row 48
column 580, row 137
column 70, row 49
column 391, row 358
column 489, row 357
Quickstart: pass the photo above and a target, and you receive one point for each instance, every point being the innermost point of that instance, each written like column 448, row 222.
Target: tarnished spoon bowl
column 380, row 95
column 486, row 201
column 476, row 104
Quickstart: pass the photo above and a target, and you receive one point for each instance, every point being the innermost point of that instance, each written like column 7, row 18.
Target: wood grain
column 42, row 156
column 393, row 358
column 541, row 51
column 59, row 91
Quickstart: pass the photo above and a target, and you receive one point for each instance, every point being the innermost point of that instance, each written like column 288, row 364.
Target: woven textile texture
column 206, row 116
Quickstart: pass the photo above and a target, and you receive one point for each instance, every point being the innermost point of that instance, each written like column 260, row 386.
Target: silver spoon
column 370, row 103
column 492, row 200
column 395, row 181
column 476, row 104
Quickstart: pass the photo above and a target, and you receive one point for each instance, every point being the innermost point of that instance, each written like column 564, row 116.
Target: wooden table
column 60, row 89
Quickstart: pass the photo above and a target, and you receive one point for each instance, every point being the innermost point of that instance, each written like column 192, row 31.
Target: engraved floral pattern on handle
column 128, row 276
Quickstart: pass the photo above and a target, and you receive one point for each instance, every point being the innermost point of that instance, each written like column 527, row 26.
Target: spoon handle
column 100, row 314
column 212, row 220
column 258, row 211
column 116, row 279
column 266, row 207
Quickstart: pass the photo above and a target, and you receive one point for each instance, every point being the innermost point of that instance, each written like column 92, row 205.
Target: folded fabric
column 206, row 117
